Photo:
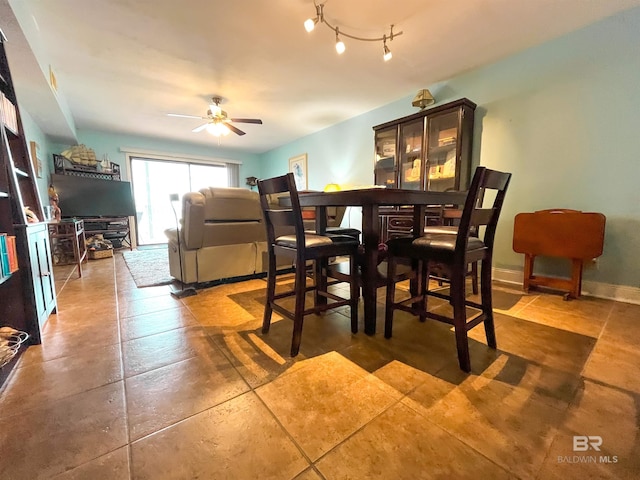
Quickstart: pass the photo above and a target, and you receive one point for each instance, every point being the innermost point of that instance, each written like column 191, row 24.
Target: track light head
column 387, row 55
column 310, row 23
column 340, row 48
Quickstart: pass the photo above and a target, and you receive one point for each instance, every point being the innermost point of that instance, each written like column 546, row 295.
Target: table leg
column 528, row 271
column 78, row 258
column 418, row 227
column 370, row 240
column 321, row 265
column 576, row 277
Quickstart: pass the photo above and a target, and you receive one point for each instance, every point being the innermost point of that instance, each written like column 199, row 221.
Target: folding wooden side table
column 562, row 233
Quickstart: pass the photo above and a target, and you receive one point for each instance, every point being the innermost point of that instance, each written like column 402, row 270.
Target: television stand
column 115, row 229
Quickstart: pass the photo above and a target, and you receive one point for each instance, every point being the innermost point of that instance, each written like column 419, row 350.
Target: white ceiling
column 122, row 65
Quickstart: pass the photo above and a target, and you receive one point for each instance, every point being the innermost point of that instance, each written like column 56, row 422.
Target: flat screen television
column 93, row 197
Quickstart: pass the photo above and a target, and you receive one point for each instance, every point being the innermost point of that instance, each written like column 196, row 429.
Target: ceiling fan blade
column 246, row 120
column 182, row 116
column 200, row 128
column 234, row 129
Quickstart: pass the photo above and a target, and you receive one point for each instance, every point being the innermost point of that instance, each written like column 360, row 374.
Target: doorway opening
column 154, row 180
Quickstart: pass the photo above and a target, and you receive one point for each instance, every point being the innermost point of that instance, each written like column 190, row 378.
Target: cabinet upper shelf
column 442, row 149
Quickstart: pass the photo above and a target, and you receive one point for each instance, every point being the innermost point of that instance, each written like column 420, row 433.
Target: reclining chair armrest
column 172, row 235
column 193, row 212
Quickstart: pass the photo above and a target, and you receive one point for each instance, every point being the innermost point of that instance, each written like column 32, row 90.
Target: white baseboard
column 619, row 293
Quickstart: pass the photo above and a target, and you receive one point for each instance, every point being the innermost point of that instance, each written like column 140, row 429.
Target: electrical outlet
column 594, row 263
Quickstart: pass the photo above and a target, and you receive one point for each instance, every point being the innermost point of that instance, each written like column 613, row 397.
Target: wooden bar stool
column 302, row 246
column 454, row 253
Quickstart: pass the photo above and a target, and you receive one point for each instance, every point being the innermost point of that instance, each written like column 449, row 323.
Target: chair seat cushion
column 343, row 231
column 440, row 229
column 352, row 232
column 343, row 239
column 445, row 242
column 437, row 247
column 315, row 241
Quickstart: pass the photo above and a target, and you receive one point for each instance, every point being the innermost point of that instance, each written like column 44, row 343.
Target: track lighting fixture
column 310, row 24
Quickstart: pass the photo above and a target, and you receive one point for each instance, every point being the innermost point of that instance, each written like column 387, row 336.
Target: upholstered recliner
column 222, row 235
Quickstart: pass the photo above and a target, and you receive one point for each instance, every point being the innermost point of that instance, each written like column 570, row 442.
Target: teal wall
column 33, row 133
column 340, row 154
column 563, row 117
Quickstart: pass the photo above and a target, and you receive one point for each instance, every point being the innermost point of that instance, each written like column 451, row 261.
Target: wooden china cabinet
column 429, row 150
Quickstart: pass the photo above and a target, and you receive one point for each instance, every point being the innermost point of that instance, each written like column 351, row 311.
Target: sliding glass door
column 154, row 180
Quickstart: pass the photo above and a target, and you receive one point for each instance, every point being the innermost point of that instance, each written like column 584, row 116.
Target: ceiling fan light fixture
column 218, row 129
column 218, row 123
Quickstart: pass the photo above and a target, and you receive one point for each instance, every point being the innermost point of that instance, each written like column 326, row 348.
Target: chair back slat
column 273, row 186
column 281, row 217
column 481, row 216
column 494, row 180
column 475, row 214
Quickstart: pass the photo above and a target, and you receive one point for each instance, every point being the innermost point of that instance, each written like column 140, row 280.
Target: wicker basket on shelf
column 10, row 341
column 98, row 247
column 96, row 254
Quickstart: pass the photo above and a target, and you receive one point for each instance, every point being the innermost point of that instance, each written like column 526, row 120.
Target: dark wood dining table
column 371, row 199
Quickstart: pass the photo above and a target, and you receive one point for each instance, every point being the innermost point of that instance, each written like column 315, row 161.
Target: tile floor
column 133, row 384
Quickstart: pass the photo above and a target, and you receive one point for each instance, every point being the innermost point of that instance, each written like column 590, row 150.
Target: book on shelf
column 10, row 118
column 13, row 253
column 4, row 256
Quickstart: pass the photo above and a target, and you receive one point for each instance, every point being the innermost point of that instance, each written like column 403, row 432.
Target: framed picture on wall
column 298, row 165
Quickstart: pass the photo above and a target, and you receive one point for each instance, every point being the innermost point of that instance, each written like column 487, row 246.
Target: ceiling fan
column 218, row 123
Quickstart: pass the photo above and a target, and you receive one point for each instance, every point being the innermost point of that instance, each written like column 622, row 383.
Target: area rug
column 148, row 267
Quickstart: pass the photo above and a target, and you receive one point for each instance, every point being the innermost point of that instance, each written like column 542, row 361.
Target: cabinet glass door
column 411, row 136
column 385, row 168
column 442, row 152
